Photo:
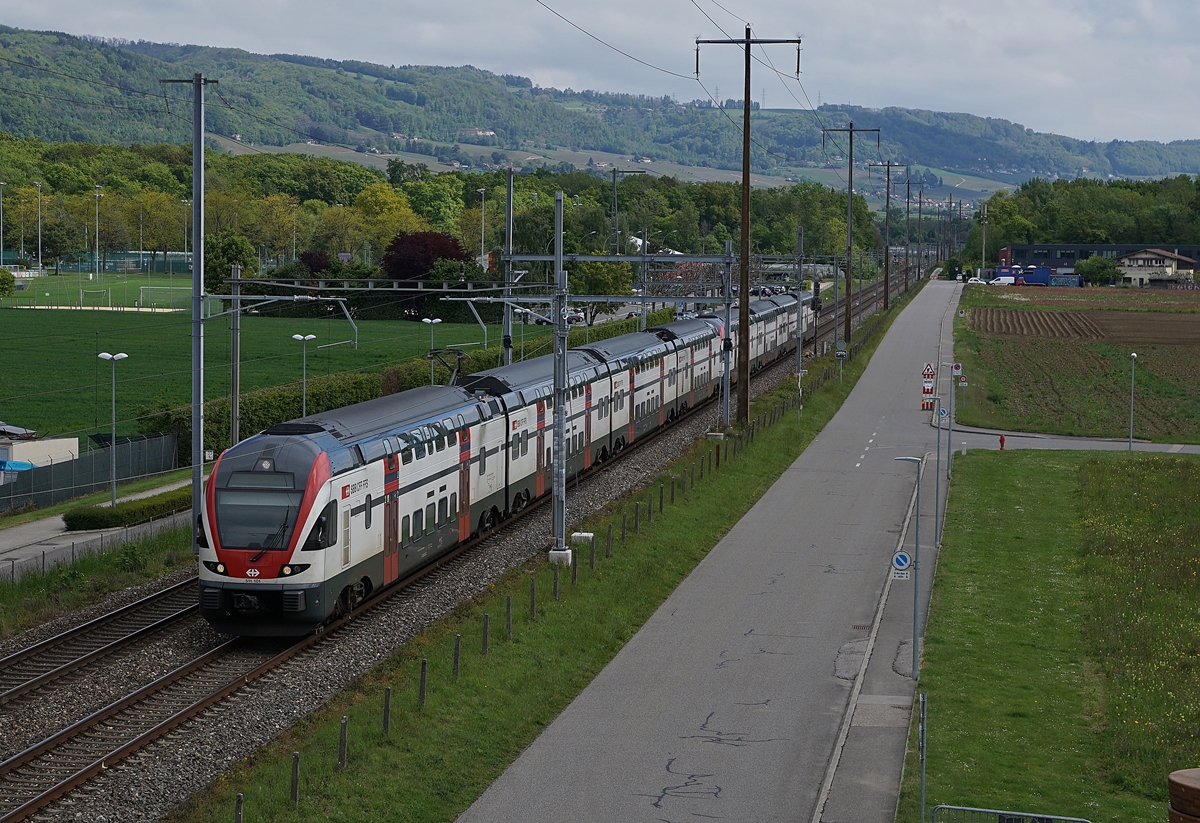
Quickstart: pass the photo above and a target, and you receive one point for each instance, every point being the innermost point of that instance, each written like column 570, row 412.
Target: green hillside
column 59, row 87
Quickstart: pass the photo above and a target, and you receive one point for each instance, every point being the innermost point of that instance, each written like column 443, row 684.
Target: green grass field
column 51, row 379
column 1060, row 653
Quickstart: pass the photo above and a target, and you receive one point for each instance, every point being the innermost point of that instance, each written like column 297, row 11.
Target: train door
column 542, row 462
column 662, row 390
column 391, row 542
column 464, row 483
column 587, row 425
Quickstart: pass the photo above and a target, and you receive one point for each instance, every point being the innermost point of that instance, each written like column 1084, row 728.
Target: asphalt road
column 727, row 705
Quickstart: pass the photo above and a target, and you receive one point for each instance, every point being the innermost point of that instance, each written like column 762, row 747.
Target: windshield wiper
column 275, row 539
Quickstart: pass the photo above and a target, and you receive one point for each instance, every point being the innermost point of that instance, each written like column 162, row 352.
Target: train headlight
column 287, row 570
column 293, row 568
column 216, row 567
column 220, row 568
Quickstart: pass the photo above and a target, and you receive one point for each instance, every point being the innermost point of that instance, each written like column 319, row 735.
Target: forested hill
column 85, row 89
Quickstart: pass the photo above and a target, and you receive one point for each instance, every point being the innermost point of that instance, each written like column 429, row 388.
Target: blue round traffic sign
column 901, row 560
column 942, row 412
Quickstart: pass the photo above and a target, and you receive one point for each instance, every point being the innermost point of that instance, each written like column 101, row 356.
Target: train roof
column 685, row 330
column 384, row 414
column 625, row 347
column 526, row 374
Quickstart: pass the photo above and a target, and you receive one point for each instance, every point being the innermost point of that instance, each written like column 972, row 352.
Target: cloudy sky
column 1093, row 69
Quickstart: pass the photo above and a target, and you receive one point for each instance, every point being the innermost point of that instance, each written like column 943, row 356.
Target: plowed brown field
column 1134, row 328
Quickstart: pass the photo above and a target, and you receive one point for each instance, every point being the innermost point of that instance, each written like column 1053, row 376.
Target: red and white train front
column 267, row 524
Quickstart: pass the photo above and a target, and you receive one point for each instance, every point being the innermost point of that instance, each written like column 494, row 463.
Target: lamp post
column 112, row 446
column 432, row 322
column 916, row 568
column 482, row 212
column 1132, row 373
column 2, row 185
column 96, row 256
column 39, row 188
column 304, row 338
column 293, row 233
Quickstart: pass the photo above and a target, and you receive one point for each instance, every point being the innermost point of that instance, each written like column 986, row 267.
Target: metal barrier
column 90, row 472
column 966, row 814
column 18, row 568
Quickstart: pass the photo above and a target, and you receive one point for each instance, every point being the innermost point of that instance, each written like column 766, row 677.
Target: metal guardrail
column 966, row 814
column 14, row 569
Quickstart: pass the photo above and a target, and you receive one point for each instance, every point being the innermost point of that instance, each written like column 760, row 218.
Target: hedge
column 262, row 409
column 129, row 513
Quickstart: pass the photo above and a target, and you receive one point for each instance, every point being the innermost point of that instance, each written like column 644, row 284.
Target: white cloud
column 1097, row 69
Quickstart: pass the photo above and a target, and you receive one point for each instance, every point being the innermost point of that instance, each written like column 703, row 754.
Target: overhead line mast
column 849, row 214
column 743, row 364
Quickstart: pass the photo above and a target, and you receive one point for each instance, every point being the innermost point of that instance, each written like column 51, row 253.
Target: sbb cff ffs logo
column 354, row 488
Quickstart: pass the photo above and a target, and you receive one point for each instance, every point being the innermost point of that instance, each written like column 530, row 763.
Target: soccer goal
column 95, row 298
column 164, row 298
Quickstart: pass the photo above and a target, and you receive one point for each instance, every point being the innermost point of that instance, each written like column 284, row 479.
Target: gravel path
column 161, row 776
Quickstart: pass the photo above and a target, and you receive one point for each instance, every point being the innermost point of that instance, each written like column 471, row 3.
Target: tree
column 385, row 213
column 278, row 227
column 437, row 198
column 411, row 255
column 339, row 230
column 599, row 278
column 8, row 283
column 1098, row 271
column 221, row 253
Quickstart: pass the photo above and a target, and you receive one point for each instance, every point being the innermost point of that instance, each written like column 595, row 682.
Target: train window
column 346, row 537
column 430, row 523
column 514, row 447
column 547, row 458
column 453, row 505
column 367, row 513
column 440, row 443
column 525, row 444
column 452, row 439
column 405, row 531
column 443, row 511
column 406, row 456
column 418, row 525
column 420, row 450
column 482, row 459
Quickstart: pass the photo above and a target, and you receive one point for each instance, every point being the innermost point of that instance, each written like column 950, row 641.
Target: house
column 20, row 450
column 1155, row 268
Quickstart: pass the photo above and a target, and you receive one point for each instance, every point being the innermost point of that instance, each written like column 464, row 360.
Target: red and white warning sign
column 926, row 387
column 928, row 372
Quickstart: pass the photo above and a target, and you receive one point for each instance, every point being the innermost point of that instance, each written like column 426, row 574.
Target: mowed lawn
column 1061, row 654
column 1075, row 386
column 51, row 379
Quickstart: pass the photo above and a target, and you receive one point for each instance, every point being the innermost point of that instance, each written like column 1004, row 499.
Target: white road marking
column 856, row 465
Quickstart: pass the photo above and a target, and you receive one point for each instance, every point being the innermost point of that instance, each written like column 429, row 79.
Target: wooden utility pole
column 743, row 358
column 849, row 212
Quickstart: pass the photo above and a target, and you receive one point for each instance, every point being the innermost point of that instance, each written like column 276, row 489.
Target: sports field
column 51, row 379
column 159, row 292
column 1058, row 360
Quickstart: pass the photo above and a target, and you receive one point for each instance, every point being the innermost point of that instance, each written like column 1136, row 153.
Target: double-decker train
column 305, row 520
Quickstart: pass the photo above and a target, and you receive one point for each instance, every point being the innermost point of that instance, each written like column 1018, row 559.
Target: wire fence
column 91, row 472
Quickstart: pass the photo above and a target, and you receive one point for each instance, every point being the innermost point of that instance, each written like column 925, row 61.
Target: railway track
column 51, row 769
column 56, row 657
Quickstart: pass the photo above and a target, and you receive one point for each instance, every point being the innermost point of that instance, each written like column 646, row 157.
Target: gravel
column 161, row 776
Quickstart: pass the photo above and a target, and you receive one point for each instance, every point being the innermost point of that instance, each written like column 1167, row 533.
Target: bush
column 130, row 513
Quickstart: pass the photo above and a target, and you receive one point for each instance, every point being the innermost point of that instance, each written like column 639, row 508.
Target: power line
column 609, row 45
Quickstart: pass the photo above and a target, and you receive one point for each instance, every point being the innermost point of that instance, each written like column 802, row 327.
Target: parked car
column 575, row 317
column 976, row 280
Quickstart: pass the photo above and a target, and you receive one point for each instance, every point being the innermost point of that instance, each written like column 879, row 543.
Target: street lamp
column 96, row 255
column 482, row 207
column 112, row 446
column 1132, row 372
column 304, row 338
column 432, row 322
column 39, row 188
column 916, row 567
column 2, row 185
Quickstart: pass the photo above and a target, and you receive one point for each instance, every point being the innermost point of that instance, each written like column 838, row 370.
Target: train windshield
column 253, row 519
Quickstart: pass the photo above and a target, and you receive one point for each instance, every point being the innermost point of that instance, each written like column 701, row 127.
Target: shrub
column 129, row 513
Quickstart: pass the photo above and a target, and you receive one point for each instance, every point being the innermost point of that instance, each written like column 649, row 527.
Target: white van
column 1003, row 281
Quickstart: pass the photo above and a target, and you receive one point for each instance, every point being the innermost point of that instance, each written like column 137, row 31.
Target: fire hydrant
column 1001, row 442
